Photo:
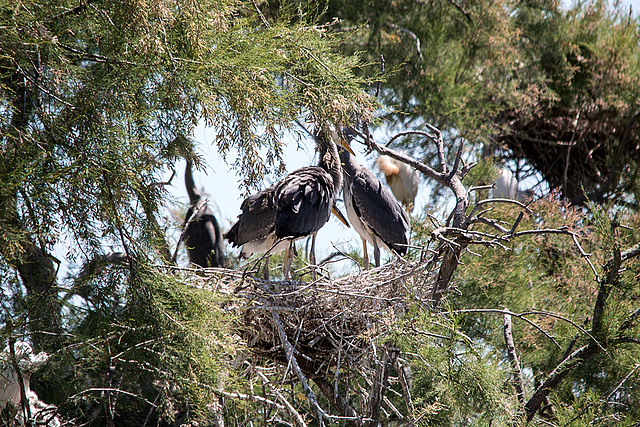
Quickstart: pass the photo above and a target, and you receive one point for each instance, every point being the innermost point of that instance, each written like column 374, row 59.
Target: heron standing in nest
column 295, row 207
column 202, row 235
column 372, row 210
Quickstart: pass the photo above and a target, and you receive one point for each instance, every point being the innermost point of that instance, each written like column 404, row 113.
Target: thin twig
column 498, row 311
column 289, row 350
column 297, row 418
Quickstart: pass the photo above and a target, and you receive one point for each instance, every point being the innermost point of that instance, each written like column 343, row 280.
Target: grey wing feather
column 257, row 219
column 380, row 211
column 303, row 202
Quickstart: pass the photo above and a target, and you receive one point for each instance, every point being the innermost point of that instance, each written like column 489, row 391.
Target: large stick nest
column 327, row 317
column 573, row 151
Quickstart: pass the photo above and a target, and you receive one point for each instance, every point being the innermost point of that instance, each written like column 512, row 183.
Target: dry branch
column 297, row 418
column 513, row 358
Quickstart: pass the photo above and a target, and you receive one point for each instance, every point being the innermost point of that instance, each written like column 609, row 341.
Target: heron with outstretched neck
column 202, row 235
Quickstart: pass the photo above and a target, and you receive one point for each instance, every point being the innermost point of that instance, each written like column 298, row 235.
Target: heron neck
column 330, row 161
column 348, row 161
column 193, row 192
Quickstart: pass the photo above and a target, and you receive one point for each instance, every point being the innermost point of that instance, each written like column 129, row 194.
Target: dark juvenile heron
column 254, row 232
column 401, row 178
column 373, row 211
column 296, row 206
column 202, row 235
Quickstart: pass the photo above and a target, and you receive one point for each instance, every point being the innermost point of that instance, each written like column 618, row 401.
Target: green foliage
column 116, row 83
column 457, row 380
column 99, row 98
column 96, row 100
column 545, row 279
column 152, row 339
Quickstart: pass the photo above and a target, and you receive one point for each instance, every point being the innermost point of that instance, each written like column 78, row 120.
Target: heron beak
column 346, row 146
column 339, row 215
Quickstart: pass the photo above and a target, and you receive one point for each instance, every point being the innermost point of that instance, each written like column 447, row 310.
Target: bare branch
column 94, row 57
column 554, row 378
column 498, row 200
column 421, row 167
column 112, row 390
column 513, row 358
column 297, row 419
column 411, row 34
column 379, row 384
column 611, row 270
column 572, row 323
column 289, row 350
column 249, row 398
column 457, row 160
column 74, row 10
column 630, row 253
column 264, row 20
column 406, row 388
column 510, row 313
column 490, row 222
column 338, row 402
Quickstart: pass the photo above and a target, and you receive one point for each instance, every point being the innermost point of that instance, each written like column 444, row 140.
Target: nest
column 327, row 321
column 574, row 152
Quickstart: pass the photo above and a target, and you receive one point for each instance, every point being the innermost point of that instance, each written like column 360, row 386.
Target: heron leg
column 376, row 254
column 312, row 256
column 265, row 269
column 288, row 258
column 365, row 256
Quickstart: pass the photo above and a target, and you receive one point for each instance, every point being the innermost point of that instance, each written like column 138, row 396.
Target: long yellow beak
column 337, row 139
column 339, row 215
column 346, row 146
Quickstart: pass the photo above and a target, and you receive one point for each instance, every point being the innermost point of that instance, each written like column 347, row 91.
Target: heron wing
column 257, row 219
column 303, row 202
column 379, row 210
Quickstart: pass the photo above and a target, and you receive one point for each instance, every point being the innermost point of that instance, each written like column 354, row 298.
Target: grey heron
column 296, row 206
column 401, row 178
column 202, row 235
column 372, row 210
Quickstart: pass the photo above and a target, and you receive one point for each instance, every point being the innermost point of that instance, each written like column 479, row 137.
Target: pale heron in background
column 402, row 179
column 506, row 187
